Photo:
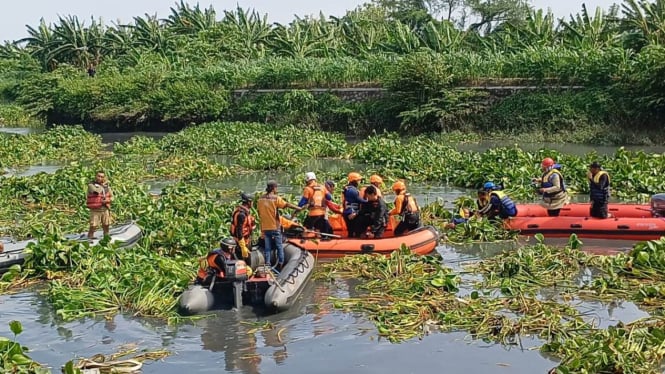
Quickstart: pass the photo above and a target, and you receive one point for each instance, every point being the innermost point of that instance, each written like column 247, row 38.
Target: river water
column 311, row 337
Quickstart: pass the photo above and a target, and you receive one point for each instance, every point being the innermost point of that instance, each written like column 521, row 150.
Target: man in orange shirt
column 268, row 208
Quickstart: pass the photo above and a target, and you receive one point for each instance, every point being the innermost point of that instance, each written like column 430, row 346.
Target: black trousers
column 598, row 209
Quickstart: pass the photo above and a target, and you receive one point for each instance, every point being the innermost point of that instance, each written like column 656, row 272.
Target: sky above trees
column 17, row 14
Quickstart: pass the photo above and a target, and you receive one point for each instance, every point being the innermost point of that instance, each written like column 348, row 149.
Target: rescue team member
column 243, row 225
column 268, row 207
column 552, row 187
column 334, row 207
column 406, row 207
column 374, row 214
column 215, row 261
column 499, row 205
column 376, row 181
column 315, row 197
column 599, row 190
column 98, row 200
column 465, row 214
column 289, row 228
column 351, row 201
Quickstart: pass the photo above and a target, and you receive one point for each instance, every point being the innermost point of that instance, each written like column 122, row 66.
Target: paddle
column 324, row 234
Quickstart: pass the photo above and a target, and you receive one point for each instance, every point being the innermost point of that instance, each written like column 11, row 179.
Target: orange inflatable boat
column 582, row 210
column 421, row 241
column 626, row 228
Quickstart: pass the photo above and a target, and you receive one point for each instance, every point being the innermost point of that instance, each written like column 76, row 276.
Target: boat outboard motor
column 658, row 205
column 234, row 270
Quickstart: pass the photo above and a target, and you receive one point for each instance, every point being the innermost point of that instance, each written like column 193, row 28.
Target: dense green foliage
column 182, row 69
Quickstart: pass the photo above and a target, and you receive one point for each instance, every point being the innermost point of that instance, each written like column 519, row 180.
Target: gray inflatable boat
column 277, row 291
column 14, row 253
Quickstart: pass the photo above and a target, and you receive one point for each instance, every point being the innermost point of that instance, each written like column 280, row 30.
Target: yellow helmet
column 355, row 177
column 399, row 186
column 375, row 179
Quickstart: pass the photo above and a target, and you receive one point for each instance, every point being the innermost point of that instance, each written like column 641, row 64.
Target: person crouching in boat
column 243, row 225
column 499, row 204
column 376, row 181
column 599, row 190
column 351, row 201
column 407, row 208
column 373, row 214
column 552, row 187
column 465, row 214
column 98, row 200
column 215, row 262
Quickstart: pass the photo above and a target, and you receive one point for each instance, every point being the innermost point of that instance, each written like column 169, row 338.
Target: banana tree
column 363, row 30
column 537, row 30
column 643, row 22
column 247, row 28
column 298, row 40
column 585, row 32
column 39, row 42
column 149, row 33
column 402, row 39
column 190, row 20
column 442, row 37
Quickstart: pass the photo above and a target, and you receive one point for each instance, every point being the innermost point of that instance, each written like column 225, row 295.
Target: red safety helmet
column 547, row 162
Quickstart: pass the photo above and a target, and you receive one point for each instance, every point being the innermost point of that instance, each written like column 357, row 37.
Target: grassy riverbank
column 595, row 77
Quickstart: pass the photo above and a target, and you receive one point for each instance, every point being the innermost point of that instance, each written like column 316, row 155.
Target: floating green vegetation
column 13, row 115
column 62, row 143
column 13, row 358
column 534, row 291
column 635, row 174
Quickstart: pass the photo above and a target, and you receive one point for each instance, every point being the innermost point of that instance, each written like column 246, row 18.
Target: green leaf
column 16, row 327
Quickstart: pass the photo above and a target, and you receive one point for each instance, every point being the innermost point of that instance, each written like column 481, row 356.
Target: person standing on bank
column 599, row 190
column 268, row 208
column 552, row 187
column 98, row 200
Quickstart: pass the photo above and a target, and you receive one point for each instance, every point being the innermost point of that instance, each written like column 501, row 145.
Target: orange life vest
column 247, row 226
column 95, row 200
column 317, row 200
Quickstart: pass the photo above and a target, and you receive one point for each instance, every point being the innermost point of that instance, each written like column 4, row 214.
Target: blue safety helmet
column 489, row 186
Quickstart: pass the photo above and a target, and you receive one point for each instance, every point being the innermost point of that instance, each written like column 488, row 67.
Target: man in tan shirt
column 268, row 208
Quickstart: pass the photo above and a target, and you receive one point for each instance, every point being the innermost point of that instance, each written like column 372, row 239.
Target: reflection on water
column 31, row 170
column 119, row 137
column 313, row 336
column 20, row 130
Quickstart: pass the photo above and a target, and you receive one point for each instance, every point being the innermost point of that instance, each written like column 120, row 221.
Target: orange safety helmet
column 375, row 179
column 547, row 162
column 399, row 186
column 355, row 177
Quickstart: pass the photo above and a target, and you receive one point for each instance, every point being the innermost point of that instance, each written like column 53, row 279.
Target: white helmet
column 310, row 176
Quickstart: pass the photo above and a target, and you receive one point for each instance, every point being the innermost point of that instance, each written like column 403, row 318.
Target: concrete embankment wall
column 359, row 94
